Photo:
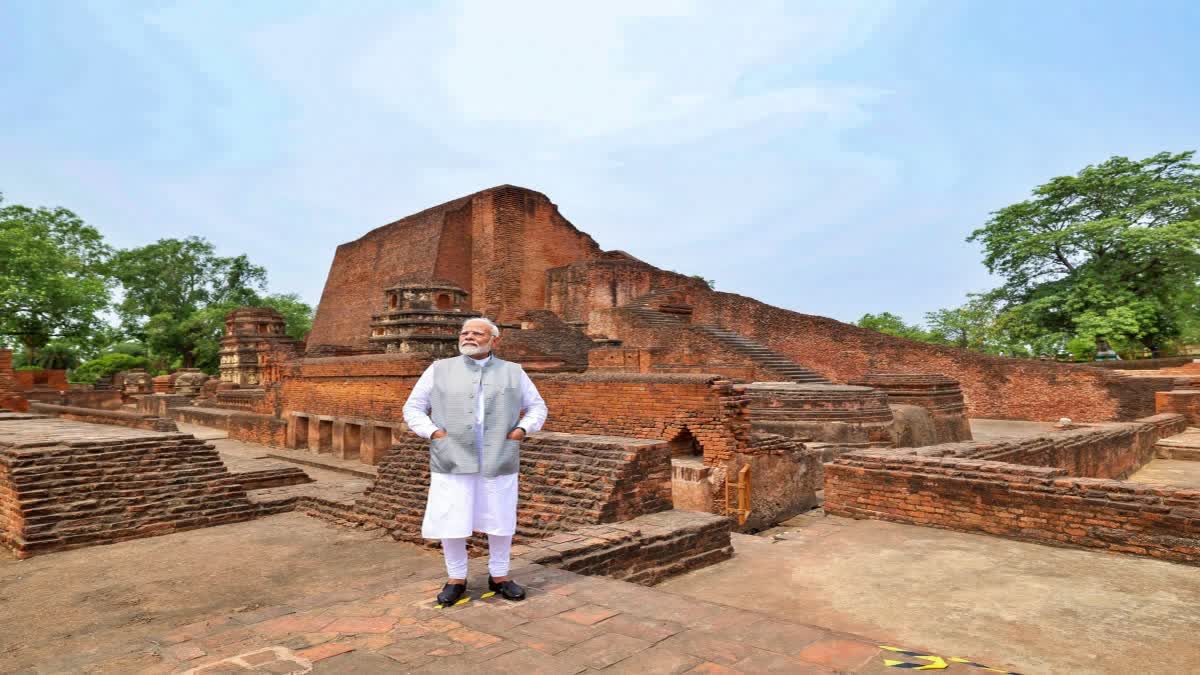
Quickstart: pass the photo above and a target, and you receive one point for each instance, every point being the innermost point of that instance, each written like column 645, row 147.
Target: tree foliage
column 106, row 366
column 174, row 287
column 1113, row 252
column 53, row 282
column 890, row 324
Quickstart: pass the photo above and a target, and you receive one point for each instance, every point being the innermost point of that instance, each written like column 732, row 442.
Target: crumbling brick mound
column 567, row 481
column 65, row 485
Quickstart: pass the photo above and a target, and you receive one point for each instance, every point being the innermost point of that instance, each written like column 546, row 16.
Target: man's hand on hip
column 517, row 434
column 440, row 433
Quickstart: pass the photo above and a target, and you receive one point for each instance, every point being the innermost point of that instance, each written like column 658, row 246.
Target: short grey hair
column 495, row 328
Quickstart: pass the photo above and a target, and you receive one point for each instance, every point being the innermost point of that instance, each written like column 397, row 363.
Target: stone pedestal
column 940, row 395
column 137, row 382
column 189, row 381
column 840, row 414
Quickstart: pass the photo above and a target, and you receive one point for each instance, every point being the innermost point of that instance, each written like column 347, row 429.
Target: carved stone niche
column 138, row 381
column 189, row 381
column 421, row 318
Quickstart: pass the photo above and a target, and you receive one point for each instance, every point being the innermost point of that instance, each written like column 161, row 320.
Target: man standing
column 470, row 408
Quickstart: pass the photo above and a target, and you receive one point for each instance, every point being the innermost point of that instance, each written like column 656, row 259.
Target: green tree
column 1113, row 251
column 886, row 322
column 106, row 366
column 167, row 283
column 53, row 282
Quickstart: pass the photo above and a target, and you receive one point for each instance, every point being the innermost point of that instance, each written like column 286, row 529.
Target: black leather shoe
column 509, row 590
column 451, row 593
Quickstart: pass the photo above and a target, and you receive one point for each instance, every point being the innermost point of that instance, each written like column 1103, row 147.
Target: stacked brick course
column 955, row 487
column 940, row 395
column 65, row 485
column 652, row 407
column 1185, row 402
column 10, row 393
column 644, row 550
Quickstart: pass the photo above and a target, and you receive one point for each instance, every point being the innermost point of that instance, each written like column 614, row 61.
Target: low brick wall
column 102, row 399
column 10, row 395
column 61, row 488
column 114, row 417
column 1184, row 402
column 645, row 550
column 952, row 487
column 1111, row 451
column 650, row 407
column 242, row 426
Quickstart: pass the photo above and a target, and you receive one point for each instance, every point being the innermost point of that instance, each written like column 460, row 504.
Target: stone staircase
column 762, row 355
column 757, row 352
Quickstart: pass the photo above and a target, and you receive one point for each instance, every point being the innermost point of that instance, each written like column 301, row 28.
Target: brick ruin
column 11, row 397
column 66, row 485
column 249, row 333
column 1064, row 489
column 678, row 412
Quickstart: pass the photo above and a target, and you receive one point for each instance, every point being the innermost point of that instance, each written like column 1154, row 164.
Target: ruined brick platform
column 69, row 484
column 1062, row 488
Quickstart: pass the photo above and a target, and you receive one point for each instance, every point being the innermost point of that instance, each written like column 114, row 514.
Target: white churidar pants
column 455, row 551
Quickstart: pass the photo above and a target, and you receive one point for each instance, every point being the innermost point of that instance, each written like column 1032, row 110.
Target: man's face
column 475, row 338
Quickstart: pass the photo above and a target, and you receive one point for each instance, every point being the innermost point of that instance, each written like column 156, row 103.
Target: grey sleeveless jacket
column 452, row 402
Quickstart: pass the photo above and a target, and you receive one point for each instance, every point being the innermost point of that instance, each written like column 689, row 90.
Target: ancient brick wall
column 242, row 426
column 62, row 487
column 104, row 399
column 1114, row 451
column 676, row 348
column 567, row 481
column 952, row 487
column 495, row 244
column 1184, row 402
column 119, row 418
column 650, row 406
column 28, row 380
column 372, row 386
column 993, row 387
column 612, row 280
column 10, row 394
column 545, row 342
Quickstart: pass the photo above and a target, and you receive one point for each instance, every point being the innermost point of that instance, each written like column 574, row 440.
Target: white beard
column 472, row 350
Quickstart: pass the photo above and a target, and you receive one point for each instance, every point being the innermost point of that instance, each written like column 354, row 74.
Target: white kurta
column 460, row 504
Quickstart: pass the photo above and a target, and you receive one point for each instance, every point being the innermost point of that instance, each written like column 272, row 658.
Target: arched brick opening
column 443, row 301
column 684, row 444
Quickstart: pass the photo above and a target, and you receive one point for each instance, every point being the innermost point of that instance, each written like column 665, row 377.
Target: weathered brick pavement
column 569, row 624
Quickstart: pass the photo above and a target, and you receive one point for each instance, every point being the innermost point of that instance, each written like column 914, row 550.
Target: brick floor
column 569, row 624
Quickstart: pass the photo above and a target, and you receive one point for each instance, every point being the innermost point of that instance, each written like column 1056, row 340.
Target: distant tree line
column 1111, row 254
column 69, row 300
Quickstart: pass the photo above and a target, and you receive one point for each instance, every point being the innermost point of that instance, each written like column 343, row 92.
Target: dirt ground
column 1040, row 608
column 88, row 601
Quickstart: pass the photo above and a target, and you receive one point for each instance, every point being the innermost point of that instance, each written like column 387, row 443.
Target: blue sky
column 825, row 157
